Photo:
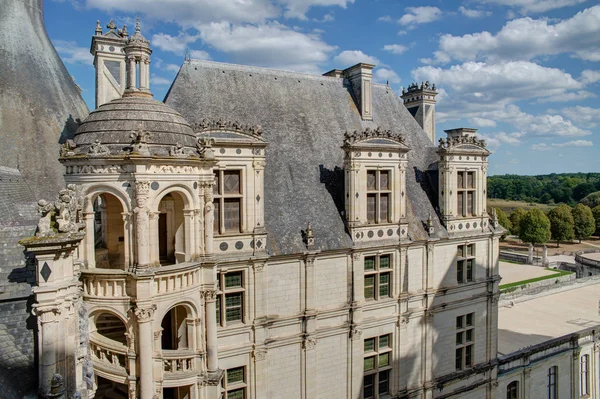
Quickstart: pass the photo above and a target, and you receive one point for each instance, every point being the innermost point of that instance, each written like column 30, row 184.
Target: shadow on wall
column 68, row 131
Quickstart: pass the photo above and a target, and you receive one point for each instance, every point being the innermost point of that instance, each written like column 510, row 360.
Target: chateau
column 270, row 234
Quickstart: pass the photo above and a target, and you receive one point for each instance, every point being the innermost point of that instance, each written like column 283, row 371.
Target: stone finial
column 137, row 25
column 368, row 134
column 98, row 28
column 123, row 32
column 429, row 224
column 204, row 145
column 494, row 219
column 46, row 210
column 456, row 141
column 187, row 56
column 415, row 87
column 140, row 139
column 177, row 151
column 66, row 149
column 57, row 387
column 98, row 150
column 310, row 236
column 223, row 125
column 111, row 26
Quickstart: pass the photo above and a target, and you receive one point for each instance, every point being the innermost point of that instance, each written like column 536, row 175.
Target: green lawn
column 507, row 287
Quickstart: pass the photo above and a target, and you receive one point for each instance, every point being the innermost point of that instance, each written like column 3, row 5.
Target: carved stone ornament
column 355, row 333
column 178, row 151
column 370, row 134
column 210, row 295
column 98, row 150
column 414, row 87
column 144, row 314
column 140, row 141
column 205, row 150
column 66, row 149
column 222, row 125
column 309, row 343
column 310, row 236
column 66, row 211
column 456, row 141
column 57, row 386
column 95, row 169
column 142, row 188
column 259, row 354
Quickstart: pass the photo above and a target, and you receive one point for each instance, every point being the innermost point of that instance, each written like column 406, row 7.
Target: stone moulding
column 206, row 125
column 455, row 142
column 371, row 134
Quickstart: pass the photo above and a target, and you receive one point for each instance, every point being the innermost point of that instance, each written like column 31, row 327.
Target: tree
column 592, row 200
column 596, row 213
column 561, row 223
column 584, row 221
column 582, row 190
column 534, row 227
column 515, row 220
column 504, row 222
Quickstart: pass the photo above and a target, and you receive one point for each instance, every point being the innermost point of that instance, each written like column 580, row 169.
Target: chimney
column 420, row 102
column 461, row 132
column 109, row 61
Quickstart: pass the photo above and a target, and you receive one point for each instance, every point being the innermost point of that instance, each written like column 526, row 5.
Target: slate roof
column 304, row 118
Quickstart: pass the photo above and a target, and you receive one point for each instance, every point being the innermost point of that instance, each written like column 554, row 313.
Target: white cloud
column 385, row 18
column 541, row 147
column 383, row 75
column 200, row 55
column 588, row 76
column 585, row 116
column 482, row 122
column 351, row 57
column 171, row 68
column 526, row 38
column 573, row 96
column 175, row 44
column 159, row 81
column 272, row 44
column 514, row 161
column 535, row 6
column 574, row 143
column 472, row 13
column 395, row 48
column 298, row 8
column 419, row 15
column 70, row 53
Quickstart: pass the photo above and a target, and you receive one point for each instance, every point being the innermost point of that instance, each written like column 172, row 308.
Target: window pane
column 470, row 196
column 217, row 217
column 384, row 284
column 470, row 270
column 370, row 363
column 461, row 251
column 371, row 180
column 384, row 262
column 384, row 200
column 233, row 307
column 459, row 322
column 469, row 335
column 369, row 389
column 459, row 271
column 219, row 322
column 370, row 263
column 233, row 280
column 460, row 181
column 369, row 344
column 216, row 184
column 384, row 385
column 369, row 287
column 470, row 319
column 384, row 359
column 470, row 250
column 459, row 338
column 458, row 362
column 231, row 182
column 371, row 208
column 384, row 341
column 236, row 393
column 469, row 355
column 384, row 180
column 470, row 180
column 235, row 375
column 232, row 214
column 460, row 203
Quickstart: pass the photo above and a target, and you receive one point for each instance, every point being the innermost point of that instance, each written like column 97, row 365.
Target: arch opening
column 111, row 327
column 177, row 393
column 109, row 232
column 176, row 329
column 107, row 389
column 171, row 229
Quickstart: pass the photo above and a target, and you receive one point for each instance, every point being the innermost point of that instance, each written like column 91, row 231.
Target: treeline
column 561, row 224
column 567, row 188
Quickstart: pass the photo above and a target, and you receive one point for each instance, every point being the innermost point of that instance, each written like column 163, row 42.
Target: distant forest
column 568, row 188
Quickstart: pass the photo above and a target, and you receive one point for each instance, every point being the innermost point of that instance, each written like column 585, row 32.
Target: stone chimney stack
column 109, row 61
column 360, row 77
column 420, row 102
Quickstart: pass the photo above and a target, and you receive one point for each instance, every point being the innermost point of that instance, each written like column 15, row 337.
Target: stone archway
column 109, row 233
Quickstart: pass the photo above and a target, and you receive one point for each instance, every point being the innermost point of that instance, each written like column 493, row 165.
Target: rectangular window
column 552, row 386
column 378, row 277
column 234, row 383
column 465, row 262
column 379, row 194
column 465, row 334
column 465, row 194
column 377, row 366
column 230, row 298
column 228, row 197
column 584, row 379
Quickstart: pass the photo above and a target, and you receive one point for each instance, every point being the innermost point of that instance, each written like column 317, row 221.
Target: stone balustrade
column 104, row 283
column 167, row 280
column 177, row 362
column 108, row 355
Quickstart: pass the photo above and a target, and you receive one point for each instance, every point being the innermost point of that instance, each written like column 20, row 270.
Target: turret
column 137, row 52
column 108, row 49
column 420, row 102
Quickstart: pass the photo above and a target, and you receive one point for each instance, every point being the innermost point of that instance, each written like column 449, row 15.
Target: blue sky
column 526, row 73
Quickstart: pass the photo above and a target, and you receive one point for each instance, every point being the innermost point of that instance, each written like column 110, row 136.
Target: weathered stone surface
column 39, row 102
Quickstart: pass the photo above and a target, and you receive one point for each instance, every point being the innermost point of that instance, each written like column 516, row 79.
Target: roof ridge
column 264, row 70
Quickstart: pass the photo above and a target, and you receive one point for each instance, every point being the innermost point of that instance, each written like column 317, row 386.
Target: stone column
column 90, row 248
column 141, row 223
column 126, row 241
column 48, row 329
column 209, row 218
column 154, row 246
column 210, row 301
column 131, row 72
column 190, row 250
column 530, row 255
column 144, row 73
column 145, row 316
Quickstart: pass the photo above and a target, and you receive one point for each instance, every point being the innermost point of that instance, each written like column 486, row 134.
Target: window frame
column 220, row 198
column 553, row 382
column 512, row 390
column 464, row 191
column 378, row 371
column 227, row 387
column 377, row 193
column 584, row 375
column 465, row 352
column 465, row 258
column 223, row 292
column 376, row 273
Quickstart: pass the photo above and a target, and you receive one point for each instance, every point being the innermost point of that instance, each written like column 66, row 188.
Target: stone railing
column 103, row 283
column 177, row 362
column 582, row 260
column 108, row 355
column 168, row 280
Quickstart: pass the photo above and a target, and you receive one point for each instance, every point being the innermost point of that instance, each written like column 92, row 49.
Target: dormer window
column 228, row 198
column 465, row 193
column 379, row 192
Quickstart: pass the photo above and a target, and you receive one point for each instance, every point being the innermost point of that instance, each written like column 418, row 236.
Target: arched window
column 552, row 382
column 512, row 390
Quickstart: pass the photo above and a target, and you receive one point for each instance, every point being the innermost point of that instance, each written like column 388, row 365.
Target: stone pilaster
column 142, row 223
column 212, row 354
column 144, row 315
